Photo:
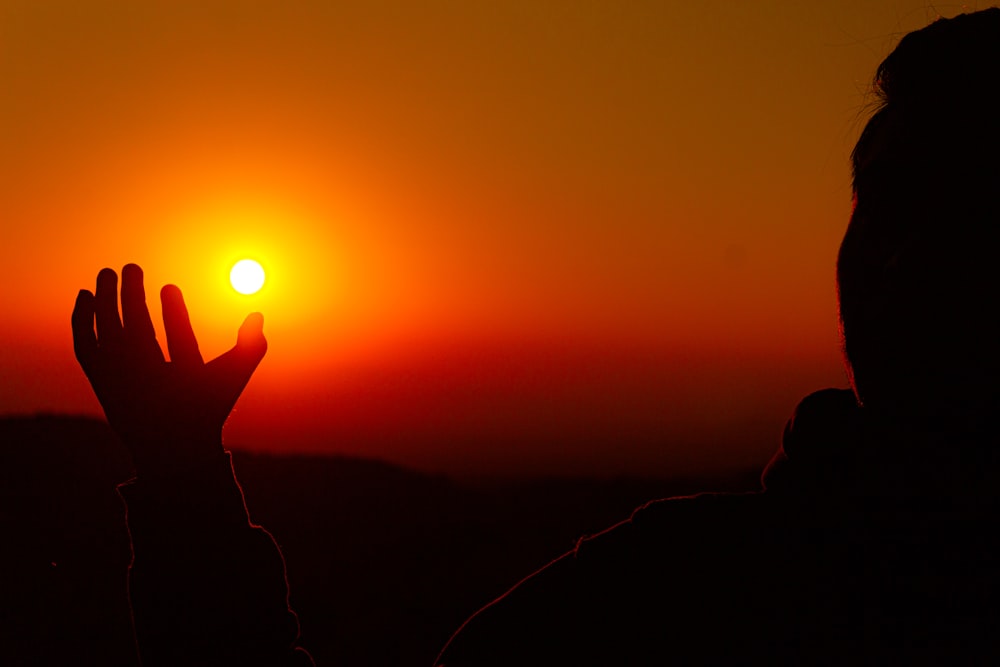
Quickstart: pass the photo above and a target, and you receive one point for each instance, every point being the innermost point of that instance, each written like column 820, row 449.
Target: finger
column 233, row 369
column 181, row 343
column 109, row 325
column 138, row 325
column 250, row 338
column 84, row 339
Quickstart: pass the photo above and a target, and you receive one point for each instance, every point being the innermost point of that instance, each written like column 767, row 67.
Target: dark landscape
column 384, row 563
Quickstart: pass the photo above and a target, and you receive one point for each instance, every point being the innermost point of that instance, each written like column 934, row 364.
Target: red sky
column 558, row 237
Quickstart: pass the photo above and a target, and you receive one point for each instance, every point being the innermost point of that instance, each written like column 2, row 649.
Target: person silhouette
column 207, row 587
column 872, row 540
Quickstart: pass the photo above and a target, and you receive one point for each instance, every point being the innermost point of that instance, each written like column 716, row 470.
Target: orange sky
column 544, row 236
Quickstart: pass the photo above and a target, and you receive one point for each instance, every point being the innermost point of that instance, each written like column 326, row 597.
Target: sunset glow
column 549, row 236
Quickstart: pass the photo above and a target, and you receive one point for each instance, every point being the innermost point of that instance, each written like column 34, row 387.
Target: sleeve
column 207, row 587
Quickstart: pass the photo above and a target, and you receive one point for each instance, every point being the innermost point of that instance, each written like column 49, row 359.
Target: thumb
column 232, row 370
column 250, row 339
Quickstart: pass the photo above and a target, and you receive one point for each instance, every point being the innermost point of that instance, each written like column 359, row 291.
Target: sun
column 247, row 276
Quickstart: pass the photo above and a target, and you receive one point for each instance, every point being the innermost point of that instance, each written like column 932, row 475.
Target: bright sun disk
column 247, row 276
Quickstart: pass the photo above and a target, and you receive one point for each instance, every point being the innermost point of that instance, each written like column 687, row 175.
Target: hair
column 945, row 72
column 917, row 266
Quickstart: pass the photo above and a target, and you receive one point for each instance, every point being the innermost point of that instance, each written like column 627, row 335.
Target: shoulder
column 623, row 591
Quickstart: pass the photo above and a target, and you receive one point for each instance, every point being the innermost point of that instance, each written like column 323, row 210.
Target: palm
column 159, row 408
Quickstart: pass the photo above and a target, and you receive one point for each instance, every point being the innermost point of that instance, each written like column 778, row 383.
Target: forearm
column 206, row 585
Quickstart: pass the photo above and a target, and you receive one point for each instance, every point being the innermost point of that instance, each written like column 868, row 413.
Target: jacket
column 863, row 546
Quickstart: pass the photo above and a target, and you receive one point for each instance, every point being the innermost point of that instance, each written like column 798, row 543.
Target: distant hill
column 384, row 562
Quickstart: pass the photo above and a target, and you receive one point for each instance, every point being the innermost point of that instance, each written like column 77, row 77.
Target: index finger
column 181, row 342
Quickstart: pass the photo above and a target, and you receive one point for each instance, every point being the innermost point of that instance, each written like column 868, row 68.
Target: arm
column 206, row 585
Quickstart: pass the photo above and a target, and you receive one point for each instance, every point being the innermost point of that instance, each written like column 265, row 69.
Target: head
column 918, row 272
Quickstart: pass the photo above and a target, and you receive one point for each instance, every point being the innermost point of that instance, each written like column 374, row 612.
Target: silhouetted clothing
column 865, row 547
column 206, row 586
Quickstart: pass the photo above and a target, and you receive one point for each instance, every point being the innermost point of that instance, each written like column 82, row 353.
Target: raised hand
column 168, row 413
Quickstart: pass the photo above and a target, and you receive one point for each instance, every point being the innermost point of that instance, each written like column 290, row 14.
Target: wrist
column 181, row 500
column 176, row 455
